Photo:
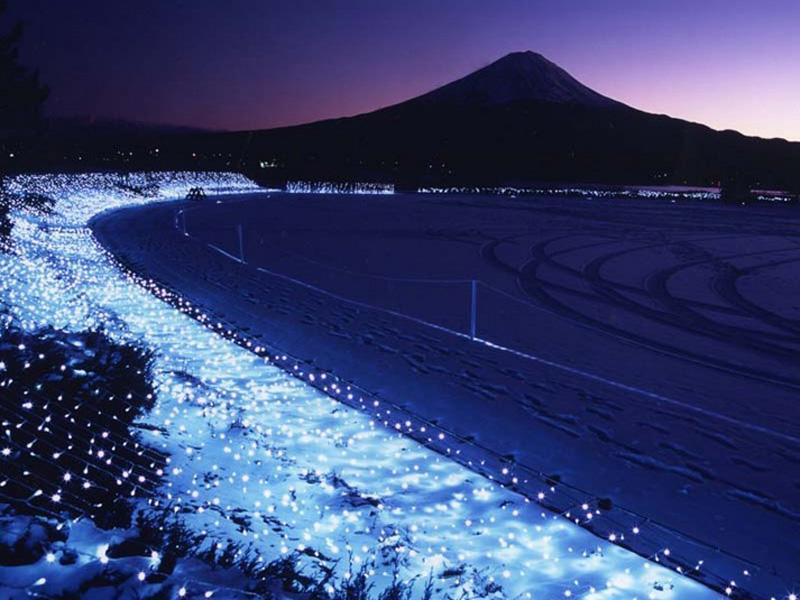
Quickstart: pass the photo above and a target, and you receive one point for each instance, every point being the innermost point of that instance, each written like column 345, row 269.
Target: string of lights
column 333, row 187
column 582, row 192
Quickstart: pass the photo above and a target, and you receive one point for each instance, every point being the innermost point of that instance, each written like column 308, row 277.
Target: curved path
column 726, row 490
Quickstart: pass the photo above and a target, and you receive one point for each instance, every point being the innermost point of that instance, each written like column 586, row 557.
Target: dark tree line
column 22, row 97
column 21, row 93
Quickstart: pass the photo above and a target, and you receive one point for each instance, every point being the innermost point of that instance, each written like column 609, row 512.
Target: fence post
column 473, row 309
column 241, row 242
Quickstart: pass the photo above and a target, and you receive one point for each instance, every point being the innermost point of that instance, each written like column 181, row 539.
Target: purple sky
column 240, row 64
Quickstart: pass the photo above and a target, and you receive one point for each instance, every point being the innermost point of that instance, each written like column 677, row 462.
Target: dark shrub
column 68, row 401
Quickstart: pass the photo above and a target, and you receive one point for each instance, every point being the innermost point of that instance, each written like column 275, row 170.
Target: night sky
column 240, row 64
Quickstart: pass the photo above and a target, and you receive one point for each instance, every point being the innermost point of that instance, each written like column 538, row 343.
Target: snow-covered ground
column 263, row 458
column 597, row 363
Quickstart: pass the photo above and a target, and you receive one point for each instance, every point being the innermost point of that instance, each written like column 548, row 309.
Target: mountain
column 520, row 119
column 519, row 76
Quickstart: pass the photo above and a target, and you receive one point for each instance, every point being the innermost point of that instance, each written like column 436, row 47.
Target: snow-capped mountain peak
column 519, row 76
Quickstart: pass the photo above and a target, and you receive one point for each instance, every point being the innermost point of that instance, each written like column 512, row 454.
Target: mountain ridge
column 523, row 118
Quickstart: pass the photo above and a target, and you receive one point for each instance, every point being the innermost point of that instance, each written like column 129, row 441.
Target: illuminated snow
column 259, row 457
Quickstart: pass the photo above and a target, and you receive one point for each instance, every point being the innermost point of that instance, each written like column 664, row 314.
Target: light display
column 334, row 187
column 582, row 192
column 270, row 458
